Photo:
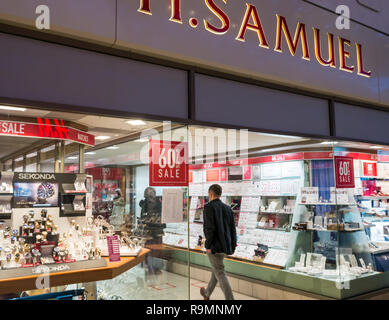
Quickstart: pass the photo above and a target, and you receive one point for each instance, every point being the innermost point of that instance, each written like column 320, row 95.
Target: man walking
column 220, row 240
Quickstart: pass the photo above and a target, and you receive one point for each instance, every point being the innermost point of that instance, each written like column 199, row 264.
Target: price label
column 344, row 172
column 168, row 163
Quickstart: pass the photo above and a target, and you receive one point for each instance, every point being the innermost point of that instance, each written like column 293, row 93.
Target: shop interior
column 290, row 215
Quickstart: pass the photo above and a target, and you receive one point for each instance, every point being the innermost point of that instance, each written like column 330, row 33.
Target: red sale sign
column 370, row 169
column 47, row 129
column 344, row 172
column 168, row 163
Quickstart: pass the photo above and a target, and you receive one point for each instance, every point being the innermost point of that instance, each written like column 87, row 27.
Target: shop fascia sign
column 251, row 22
column 45, row 128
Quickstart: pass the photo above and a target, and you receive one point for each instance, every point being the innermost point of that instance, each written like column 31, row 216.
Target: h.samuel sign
column 278, row 38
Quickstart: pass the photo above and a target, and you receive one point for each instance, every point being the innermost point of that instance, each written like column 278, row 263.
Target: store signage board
column 264, row 39
column 344, row 172
column 52, row 268
column 113, row 248
column 369, row 169
column 47, row 129
column 168, row 164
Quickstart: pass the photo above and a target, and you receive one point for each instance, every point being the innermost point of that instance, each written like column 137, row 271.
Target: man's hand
column 209, row 251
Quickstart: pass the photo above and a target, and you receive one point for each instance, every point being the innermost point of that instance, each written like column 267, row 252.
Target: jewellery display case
column 73, row 195
column 36, row 233
column 291, row 216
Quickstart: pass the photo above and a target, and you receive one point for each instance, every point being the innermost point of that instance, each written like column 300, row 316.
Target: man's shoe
column 202, row 292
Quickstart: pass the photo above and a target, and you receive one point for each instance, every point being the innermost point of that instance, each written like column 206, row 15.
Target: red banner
column 47, row 129
column 344, row 172
column 168, row 163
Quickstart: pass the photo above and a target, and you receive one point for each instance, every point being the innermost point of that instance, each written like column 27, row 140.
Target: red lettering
column 251, row 12
column 221, row 16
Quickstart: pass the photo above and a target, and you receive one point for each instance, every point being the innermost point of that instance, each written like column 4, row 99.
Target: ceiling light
column 72, row 158
column 279, row 136
column 12, row 108
column 113, row 148
column 376, row 147
column 329, row 142
column 102, row 137
column 136, row 122
column 142, row 140
column 90, row 153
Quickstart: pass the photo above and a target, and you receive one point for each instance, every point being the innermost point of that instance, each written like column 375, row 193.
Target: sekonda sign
column 50, row 268
column 36, row 176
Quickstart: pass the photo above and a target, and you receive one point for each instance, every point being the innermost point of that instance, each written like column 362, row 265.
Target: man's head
column 214, row 192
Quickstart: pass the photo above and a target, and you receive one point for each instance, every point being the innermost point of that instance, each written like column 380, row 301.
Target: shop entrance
column 69, row 196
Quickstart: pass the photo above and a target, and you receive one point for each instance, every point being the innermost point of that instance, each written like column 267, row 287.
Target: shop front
column 108, row 151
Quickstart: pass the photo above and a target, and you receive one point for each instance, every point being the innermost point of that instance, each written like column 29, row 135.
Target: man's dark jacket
column 219, row 227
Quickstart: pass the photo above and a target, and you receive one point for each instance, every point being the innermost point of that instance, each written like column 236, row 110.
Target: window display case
column 37, row 236
column 292, row 216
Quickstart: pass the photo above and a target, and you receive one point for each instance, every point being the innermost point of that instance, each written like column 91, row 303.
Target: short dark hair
column 216, row 190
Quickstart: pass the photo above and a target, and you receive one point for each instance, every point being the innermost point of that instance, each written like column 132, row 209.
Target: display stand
column 110, row 271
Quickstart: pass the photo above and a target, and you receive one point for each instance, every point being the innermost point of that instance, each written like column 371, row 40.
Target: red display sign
column 370, row 169
column 168, row 163
column 247, row 173
column 212, row 175
column 223, row 174
column 45, row 128
column 344, row 172
column 113, row 248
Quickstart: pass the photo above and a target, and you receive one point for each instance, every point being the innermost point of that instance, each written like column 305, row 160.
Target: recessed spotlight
column 112, row 148
column 90, row 152
column 376, row 147
column 102, row 137
column 136, row 122
column 12, row 108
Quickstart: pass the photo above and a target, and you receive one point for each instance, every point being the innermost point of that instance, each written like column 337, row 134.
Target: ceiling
column 108, row 127
column 10, row 145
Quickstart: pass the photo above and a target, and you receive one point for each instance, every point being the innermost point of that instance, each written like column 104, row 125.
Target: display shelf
column 279, row 195
column 326, row 204
column 373, row 197
column 74, row 192
column 229, row 258
column 375, row 217
column 112, row 270
column 279, row 213
column 325, row 230
column 273, row 229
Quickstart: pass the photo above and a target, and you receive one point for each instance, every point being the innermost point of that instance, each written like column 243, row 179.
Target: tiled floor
column 217, row 294
column 137, row 284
